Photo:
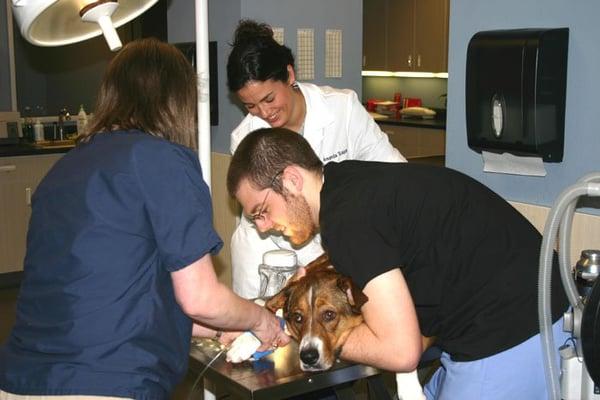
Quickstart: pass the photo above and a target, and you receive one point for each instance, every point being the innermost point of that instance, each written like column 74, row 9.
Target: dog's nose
column 309, row 356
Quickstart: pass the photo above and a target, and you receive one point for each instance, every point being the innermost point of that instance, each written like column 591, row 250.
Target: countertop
column 416, row 122
column 27, row 149
column 437, row 122
column 30, row 149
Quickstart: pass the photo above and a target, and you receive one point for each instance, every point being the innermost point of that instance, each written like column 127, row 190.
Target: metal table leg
column 344, row 392
column 377, row 389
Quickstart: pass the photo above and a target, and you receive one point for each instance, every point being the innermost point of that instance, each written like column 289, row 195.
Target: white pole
column 202, row 70
column 203, row 114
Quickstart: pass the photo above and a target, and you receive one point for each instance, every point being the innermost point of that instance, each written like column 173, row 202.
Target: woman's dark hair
column 149, row 86
column 264, row 153
column 256, row 56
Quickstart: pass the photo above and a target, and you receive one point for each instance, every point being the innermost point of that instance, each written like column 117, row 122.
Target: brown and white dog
column 320, row 310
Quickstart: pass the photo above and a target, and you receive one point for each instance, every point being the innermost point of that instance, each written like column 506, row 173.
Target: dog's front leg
column 408, row 386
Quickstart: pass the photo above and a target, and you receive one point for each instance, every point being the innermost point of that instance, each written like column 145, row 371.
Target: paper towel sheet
column 507, row 163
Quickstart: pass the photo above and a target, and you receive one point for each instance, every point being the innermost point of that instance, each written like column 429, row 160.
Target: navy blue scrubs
column 96, row 313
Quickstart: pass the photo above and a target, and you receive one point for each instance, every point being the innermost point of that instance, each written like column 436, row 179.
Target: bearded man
column 436, row 252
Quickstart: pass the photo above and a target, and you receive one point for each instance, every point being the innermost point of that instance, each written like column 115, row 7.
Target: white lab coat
column 338, row 128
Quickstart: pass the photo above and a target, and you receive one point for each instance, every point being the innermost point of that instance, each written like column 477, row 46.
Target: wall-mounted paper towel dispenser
column 515, row 92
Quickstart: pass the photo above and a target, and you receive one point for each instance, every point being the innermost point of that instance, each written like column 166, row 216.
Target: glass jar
column 277, row 267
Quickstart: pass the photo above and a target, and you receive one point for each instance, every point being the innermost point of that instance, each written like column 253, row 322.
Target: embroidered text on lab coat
column 335, row 155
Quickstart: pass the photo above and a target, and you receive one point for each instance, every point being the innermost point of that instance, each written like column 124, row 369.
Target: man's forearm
column 363, row 346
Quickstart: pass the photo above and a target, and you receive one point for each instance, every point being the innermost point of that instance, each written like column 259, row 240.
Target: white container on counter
column 38, row 131
column 82, row 120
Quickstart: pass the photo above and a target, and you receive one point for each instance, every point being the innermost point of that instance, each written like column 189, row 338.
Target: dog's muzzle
column 309, row 356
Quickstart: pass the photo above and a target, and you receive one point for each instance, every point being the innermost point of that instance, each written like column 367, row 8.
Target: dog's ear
column 356, row 297
column 278, row 301
column 320, row 263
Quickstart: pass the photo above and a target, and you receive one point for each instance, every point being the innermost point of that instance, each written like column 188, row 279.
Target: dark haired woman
column 261, row 73
column 118, row 269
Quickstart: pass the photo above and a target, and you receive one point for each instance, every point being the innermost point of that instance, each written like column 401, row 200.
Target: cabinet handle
column 410, row 60
column 418, row 60
column 8, row 168
column 28, row 196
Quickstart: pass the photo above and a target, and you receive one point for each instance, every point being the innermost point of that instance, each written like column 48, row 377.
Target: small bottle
column 277, row 267
column 28, row 134
column 38, row 130
column 81, row 120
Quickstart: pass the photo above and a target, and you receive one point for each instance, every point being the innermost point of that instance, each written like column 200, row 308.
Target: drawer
column 415, row 142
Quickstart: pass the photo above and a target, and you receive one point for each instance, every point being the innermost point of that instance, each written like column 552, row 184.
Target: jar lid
column 280, row 258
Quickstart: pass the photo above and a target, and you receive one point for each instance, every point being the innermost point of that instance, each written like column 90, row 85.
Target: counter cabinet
column 19, row 177
column 414, row 142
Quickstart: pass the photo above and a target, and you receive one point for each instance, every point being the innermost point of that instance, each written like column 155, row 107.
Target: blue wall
column 582, row 130
column 318, row 15
column 289, row 14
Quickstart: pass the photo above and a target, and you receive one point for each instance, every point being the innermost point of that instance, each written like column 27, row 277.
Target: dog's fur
column 320, row 310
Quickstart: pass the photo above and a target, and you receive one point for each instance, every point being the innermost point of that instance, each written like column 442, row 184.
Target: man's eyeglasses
column 260, row 215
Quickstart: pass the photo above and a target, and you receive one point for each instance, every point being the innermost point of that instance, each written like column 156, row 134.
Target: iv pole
column 203, row 85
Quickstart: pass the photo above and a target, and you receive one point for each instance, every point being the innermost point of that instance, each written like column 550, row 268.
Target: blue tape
column 260, row 354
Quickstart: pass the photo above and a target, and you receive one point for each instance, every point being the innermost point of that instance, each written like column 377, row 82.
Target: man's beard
column 300, row 220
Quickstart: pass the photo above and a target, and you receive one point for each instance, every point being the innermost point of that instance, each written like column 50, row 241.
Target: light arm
column 390, row 338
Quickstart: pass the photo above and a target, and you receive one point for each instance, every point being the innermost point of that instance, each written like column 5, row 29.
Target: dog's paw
column 243, row 347
column 408, row 386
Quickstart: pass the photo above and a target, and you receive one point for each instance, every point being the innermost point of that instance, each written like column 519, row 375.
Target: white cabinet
column 19, row 177
column 415, row 142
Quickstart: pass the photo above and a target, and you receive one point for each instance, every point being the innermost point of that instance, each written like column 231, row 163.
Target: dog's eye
column 297, row 318
column 329, row 315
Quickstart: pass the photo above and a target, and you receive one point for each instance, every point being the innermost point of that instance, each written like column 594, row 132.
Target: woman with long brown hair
column 118, row 268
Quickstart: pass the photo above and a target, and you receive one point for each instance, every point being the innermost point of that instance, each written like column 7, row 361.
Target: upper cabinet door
column 413, row 33
column 431, row 35
column 401, row 32
column 374, row 35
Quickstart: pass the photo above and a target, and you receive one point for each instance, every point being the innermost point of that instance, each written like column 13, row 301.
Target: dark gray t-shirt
column 469, row 258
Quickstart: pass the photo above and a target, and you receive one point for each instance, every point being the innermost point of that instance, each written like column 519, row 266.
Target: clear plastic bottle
column 81, row 120
column 277, row 267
